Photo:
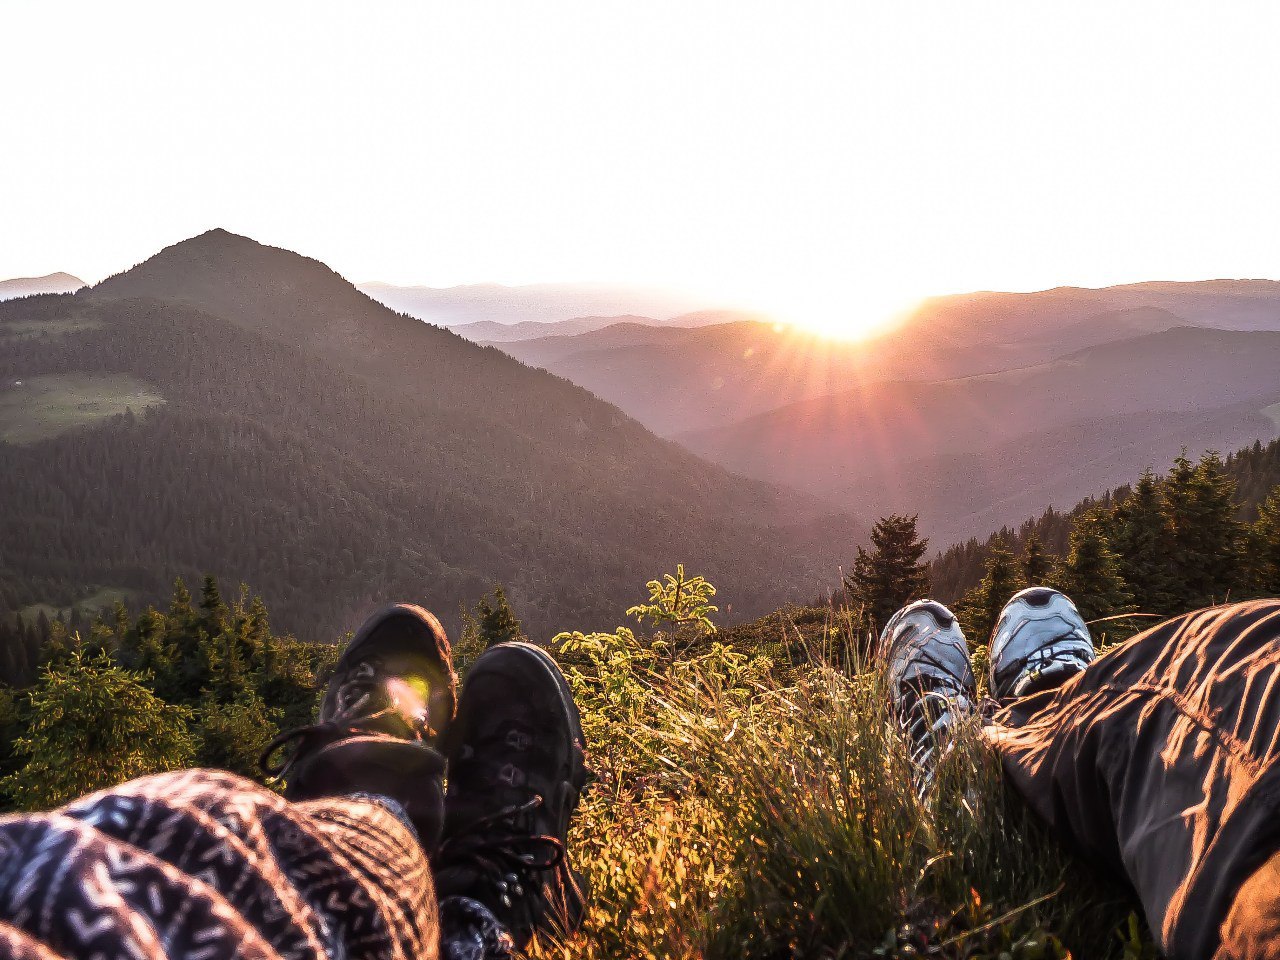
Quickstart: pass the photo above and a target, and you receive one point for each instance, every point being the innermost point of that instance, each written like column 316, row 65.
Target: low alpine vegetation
column 755, row 806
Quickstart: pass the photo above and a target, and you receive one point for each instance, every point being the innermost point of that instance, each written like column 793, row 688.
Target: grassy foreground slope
column 749, row 801
column 757, row 807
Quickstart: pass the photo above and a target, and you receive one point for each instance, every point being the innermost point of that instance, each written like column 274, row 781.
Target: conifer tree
column 58, row 644
column 43, row 625
column 183, row 629
column 1141, row 537
column 181, row 613
column 233, row 734
column 1207, row 539
column 678, row 605
column 1090, row 576
column 469, row 643
column 1036, row 562
column 890, row 575
column 979, row 608
column 496, row 621
column 147, row 647
column 1265, row 547
column 120, row 625
column 213, row 611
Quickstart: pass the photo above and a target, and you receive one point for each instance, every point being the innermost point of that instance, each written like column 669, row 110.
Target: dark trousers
column 1160, row 763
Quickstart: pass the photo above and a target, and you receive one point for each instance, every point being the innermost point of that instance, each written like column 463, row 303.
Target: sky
column 828, row 162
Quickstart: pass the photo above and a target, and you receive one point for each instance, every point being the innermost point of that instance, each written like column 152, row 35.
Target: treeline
column 1255, row 471
column 203, row 682
column 1164, row 546
column 1205, row 533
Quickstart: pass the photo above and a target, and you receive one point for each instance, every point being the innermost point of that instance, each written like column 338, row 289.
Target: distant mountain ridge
column 30, row 286
column 540, row 302
column 492, row 332
column 934, row 415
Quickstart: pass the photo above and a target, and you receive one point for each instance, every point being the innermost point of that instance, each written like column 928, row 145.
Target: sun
column 849, row 315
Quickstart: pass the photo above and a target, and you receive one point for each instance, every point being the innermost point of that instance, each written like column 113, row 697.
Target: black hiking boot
column 516, row 769
column 390, row 700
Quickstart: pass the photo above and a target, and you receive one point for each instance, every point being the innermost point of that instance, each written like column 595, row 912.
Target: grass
column 745, row 808
column 27, row 329
column 101, row 599
column 41, row 407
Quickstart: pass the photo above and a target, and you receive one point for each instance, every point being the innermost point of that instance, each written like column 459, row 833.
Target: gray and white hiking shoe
column 1040, row 641
column 930, row 677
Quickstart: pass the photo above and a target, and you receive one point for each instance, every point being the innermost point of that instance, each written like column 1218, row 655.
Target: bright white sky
column 830, row 161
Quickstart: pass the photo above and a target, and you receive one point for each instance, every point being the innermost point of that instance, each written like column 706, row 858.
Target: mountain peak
column 266, row 289
column 217, row 238
column 220, row 234
column 215, row 256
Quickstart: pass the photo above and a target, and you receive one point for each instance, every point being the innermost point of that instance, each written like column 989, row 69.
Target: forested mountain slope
column 333, row 454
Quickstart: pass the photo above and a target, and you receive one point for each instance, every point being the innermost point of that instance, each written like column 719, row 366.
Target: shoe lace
column 1060, row 649
column 357, row 691
column 943, row 676
column 511, row 859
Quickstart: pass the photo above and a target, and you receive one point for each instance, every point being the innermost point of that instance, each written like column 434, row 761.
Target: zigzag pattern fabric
column 203, row 864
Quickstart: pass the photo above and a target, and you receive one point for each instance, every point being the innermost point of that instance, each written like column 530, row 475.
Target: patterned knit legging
column 203, row 864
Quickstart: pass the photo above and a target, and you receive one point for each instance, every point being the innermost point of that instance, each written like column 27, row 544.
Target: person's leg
column 205, row 864
column 200, row 863
column 1160, row 762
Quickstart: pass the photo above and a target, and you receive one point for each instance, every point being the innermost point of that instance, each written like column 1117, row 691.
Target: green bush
column 93, row 724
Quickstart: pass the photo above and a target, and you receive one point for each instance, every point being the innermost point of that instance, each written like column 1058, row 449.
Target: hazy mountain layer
column 966, row 450
column 29, row 286
column 677, row 381
column 539, row 302
column 492, row 332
